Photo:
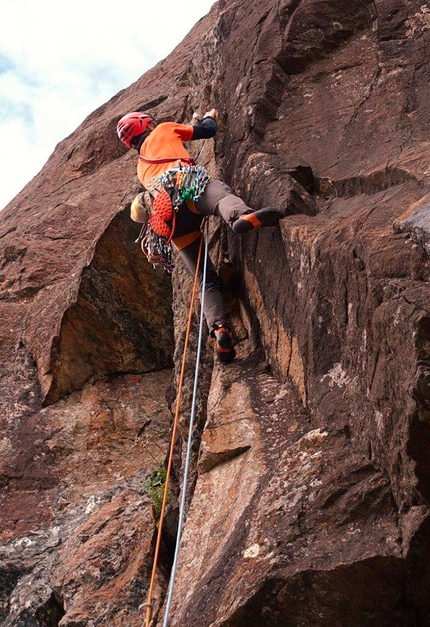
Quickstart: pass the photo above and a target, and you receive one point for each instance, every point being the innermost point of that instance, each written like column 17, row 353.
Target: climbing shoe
column 224, row 345
column 269, row 216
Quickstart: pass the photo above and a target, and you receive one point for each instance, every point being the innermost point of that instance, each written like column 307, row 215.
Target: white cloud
column 59, row 62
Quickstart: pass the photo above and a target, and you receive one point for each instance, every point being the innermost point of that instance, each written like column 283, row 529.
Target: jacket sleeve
column 205, row 129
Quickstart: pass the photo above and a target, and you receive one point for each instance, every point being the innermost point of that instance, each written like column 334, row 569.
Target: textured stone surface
column 310, row 479
column 77, row 522
column 266, row 519
column 93, row 313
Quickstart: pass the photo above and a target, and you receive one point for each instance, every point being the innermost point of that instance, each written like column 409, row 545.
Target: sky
column 60, row 61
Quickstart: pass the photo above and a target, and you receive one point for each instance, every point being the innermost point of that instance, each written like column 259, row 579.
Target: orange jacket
column 166, row 141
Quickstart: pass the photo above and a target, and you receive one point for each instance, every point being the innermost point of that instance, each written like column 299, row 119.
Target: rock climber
column 163, row 165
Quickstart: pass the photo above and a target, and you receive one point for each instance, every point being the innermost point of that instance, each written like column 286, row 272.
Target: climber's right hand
column 211, row 114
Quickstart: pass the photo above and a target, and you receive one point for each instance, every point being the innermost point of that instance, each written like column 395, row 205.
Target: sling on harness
column 168, row 160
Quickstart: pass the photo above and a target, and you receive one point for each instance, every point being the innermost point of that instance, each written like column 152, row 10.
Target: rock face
column 310, row 487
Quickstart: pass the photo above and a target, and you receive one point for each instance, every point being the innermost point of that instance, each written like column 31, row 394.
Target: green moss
column 155, row 489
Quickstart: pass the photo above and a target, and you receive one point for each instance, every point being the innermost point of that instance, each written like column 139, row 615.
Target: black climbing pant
column 217, row 200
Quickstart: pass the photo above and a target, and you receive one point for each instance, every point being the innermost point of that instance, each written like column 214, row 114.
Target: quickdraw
column 184, row 184
column 155, row 249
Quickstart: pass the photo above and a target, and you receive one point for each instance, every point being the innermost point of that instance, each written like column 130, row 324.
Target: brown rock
column 309, row 492
column 77, row 521
column 276, row 511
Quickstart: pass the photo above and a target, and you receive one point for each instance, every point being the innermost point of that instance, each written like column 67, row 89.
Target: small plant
column 155, row 489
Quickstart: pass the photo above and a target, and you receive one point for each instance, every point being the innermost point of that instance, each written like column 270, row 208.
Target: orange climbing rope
column 149, row 604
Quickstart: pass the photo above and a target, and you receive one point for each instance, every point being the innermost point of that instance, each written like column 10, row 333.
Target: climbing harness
column 166, row 195
column 149, row 604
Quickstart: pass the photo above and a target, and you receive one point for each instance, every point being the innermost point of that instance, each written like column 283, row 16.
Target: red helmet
column 133, row 124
